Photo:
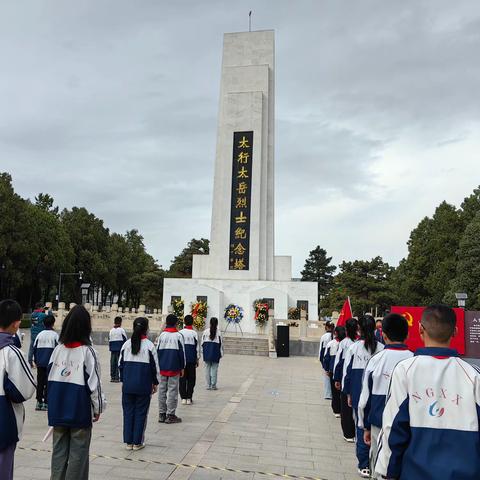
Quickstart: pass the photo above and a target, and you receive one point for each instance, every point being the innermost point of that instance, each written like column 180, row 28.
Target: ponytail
column 351, row 326
column 140, row 327
column 367, row 330
column 213, row 328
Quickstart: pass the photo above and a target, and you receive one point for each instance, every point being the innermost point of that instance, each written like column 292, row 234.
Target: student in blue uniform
column 16, row 386
column 346, row 413
column 116, row 338
column 212, row 348
column 139, row 373
column 376, row 379
column 328, row 362
column 324, row 340
column 356, row 360
column 75, row 396
column 432, row 415
column 43, row 348
column 171, row 359
column 192, row 355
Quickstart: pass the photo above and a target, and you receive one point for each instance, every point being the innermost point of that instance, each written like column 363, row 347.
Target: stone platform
column 267, row 416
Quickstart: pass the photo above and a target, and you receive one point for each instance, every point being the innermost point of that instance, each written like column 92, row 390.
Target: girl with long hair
column 75, row 396
column 139, row 372
column 356, row 360
column 328, row 362
column 324, row 340
column 212, row 348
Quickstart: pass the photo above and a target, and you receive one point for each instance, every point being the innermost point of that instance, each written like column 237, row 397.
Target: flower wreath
column 199, row 313
column 261, row 312
column 233, row 313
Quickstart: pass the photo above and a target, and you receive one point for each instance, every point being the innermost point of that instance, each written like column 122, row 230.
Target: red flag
column 414, row 315
column 345, row 313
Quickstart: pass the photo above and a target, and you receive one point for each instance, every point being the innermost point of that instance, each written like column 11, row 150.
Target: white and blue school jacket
column 139, row 372
column 431, row 419
column 212, row 349
column 192, row 350
column 16, row 386
column 356, row 359
column 376, row 380
column 44, row 346
column 74, row 386
column 116, row 338
column 171, row 352
column 330, row 353
column 324, row 340
column 343, row 346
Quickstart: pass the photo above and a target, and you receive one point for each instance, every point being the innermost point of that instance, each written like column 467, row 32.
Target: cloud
column 112, row 105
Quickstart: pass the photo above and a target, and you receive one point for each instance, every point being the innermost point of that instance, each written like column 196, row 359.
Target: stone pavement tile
column 32, row 472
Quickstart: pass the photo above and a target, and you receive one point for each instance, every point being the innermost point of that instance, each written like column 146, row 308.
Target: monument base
column 220, row 293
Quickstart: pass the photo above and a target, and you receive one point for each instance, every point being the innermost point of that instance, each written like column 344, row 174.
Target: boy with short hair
column 116, row 338
column 43, row 348
column 171, row 359
column 431, row 418
column 192, row 356
column 376, row 379
column 16, row 386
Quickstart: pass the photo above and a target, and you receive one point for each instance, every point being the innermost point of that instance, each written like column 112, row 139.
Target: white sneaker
column 188, row 402
column 138, row 447
column 364, row 472
column 349, row 440
column 128, row 447
column 336, row 415
column 184, row 401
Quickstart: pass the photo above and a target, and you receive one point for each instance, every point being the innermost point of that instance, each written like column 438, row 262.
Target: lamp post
column 78, row 274
column 461, row 299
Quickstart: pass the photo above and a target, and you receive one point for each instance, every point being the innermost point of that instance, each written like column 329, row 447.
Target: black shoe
column 173, row 419
column 162, row 417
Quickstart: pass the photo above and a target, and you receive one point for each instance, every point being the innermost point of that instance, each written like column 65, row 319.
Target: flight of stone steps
column 246, row 345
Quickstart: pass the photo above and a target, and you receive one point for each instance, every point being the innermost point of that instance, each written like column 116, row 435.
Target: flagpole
column 350, row 305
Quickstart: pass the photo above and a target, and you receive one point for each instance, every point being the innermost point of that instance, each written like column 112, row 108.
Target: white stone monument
column 241, row 266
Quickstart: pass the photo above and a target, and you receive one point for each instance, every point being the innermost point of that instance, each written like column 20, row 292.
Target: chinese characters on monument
column 241, row 195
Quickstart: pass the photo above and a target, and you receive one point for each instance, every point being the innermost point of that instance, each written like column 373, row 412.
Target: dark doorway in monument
column 202, row 298
column 270, row 302
column 303, row 305
column 174, row 298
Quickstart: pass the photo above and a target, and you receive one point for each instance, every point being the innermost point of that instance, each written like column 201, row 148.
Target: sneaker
column 162, row 417
column 128, row 446
column 209, row 387
column 188, row 402
column 172, row 419
column 349, row 440
column 44, row 407
column 184, row 401
column 336, row 415
column 364, row 472
column 112, row 380
column 39, row 406
column 138, row 447
column 214, row 387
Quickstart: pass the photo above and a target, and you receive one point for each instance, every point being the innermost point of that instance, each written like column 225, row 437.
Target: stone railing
column 102, row 321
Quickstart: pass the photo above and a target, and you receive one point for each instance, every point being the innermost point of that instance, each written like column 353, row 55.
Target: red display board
column 414, row 315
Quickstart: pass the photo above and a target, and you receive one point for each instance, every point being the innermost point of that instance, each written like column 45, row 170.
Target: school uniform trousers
column 42, row 382
column 187, row 382
column 135, row 413
column 336, row 401
column 346, row 415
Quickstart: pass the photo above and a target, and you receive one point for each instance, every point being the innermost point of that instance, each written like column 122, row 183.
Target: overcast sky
column 112, row 105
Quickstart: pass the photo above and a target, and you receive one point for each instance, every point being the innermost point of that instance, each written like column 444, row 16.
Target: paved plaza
column 267, row 416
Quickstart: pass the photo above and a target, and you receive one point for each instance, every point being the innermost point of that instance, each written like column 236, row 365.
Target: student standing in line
column 171, row 358
column 356, row 360
column 37, row 318
column 376, row 379
column 328, row 362
column 43, row 348
column 116, row 338
column 16, row 386
column 212, row 348
column 75, row 396
column 139, row 373
column 324, row 340
column 346, row 413
column 192, row 355
column 431, row 419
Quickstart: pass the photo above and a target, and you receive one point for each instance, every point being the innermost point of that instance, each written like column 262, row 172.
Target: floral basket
column 178, row 310
column 294, row 313
column 199, row 313
column 261, row 312
column 233, row 313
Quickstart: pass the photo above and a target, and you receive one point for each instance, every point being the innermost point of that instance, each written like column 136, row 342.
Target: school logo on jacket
column 436, row 411
column 65, row 373
column 438, row 398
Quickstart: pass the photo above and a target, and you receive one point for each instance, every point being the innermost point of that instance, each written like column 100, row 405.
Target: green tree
column 181, row 266
column 46, row 202
column 367, row 283
column 467, row 277
column 318, row 269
